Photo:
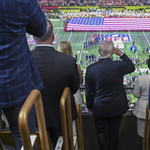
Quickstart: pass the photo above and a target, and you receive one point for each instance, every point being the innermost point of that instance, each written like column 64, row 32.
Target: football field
column 77, row 39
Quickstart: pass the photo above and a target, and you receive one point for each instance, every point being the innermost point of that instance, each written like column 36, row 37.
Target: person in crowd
column 140, row 91
column 90, row 58
column 144, row 61
column 18, row 73
column 131, row 49
column 138, row 62
column 65, row 47
column 105, row 93
column 140, row 73
column 81, row 62
column 147, row 50
column 143, row 51
column 133, row 77
column 57, row 71
column 134, row 50
column 87, row 63
column 86, row 57
column 133, row 43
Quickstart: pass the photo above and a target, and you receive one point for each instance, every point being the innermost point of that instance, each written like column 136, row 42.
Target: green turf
column 142, row 40
column 77, row 38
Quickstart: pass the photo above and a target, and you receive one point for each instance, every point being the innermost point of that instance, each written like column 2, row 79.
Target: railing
column 128, row 89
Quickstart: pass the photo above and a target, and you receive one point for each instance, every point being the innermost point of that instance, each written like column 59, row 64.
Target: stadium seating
column 69, row 141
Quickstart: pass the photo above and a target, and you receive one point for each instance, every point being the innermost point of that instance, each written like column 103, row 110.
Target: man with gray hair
column 106, row 49
column 105, row 93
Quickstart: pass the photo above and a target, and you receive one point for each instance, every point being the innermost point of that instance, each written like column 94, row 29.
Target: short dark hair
column 48, row 33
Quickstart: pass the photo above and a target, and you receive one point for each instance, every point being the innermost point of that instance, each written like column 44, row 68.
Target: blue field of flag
column 87, row 21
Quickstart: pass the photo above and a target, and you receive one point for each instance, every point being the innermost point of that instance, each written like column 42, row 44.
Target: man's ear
column 53, row 37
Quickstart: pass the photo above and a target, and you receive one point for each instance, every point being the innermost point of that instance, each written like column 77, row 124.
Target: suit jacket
column 105, row 93
column 57, row 71
column 141, row 91
column 18, row 73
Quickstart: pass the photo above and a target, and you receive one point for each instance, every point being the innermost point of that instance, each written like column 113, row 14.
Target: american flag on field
column 108, row 24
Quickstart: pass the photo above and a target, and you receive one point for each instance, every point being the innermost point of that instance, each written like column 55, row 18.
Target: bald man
column 105, row 93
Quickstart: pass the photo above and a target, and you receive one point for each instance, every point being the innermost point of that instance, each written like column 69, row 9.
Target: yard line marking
column 130, row 35
column 32, row 46
column 82, row 47
column 59, row 29
column 70, row 36
column 146, row 38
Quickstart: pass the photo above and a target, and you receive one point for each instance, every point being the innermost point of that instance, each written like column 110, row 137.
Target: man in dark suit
column 105, row 93
column 57, row 71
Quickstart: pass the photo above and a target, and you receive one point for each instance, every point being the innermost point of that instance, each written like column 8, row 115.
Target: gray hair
column 106, row 49
column 48, row 33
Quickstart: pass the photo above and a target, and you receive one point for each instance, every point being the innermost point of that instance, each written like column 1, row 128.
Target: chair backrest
column 146, row 140
column 66, row 120
column 79, row 129
column 33, row 98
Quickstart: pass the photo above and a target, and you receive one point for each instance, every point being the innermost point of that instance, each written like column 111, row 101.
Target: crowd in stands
column 103, row 13
column 98, row 13
column 92, row 3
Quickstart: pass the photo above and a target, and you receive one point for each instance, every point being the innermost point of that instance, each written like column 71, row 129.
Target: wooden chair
column 79, row 129
column 33, row 98
column 66, row 119
column 146, row 140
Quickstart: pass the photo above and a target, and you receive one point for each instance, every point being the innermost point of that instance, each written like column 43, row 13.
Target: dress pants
column 12, row 116
column 54, row 134
column 107, row 131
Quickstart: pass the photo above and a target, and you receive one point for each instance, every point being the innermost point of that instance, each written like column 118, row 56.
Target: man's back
column 18, row 73
column 17, row 68
column 107, row 85
column 105, row 93
column 57, row 71
column 15, row 21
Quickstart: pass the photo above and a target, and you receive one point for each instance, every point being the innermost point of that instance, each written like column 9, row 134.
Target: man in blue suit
column 105, row 93
column 18, row 73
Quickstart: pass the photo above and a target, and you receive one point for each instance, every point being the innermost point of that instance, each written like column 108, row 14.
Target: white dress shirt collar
column 49, row 45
